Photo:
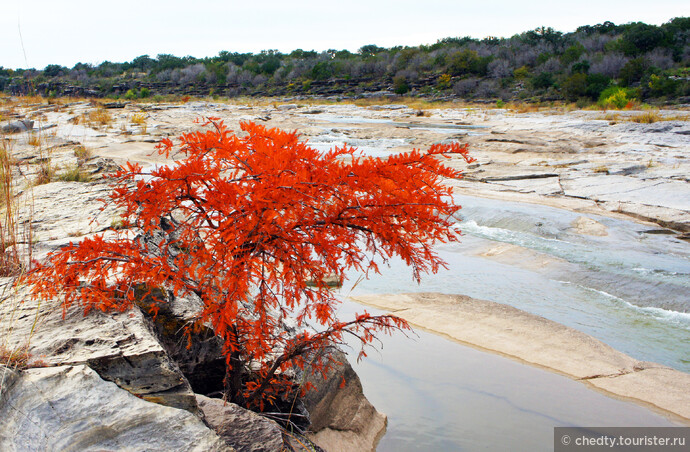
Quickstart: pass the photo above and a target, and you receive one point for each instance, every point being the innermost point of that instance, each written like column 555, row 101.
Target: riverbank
column 552, row 226
column 534, row 340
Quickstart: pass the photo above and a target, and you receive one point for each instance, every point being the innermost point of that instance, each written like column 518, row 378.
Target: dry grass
column 523, row 107
column 100, row 116
column 648, row 117
column 81, row 153
column 14, row 358
column 601, row 169
column 34, row 139
column 74, row 174
column 11, row 262
column 46, row 172
column 140, row 120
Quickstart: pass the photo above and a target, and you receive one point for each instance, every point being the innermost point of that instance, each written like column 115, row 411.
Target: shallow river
column 628, row 288
column 440, row 395
column 443, row 396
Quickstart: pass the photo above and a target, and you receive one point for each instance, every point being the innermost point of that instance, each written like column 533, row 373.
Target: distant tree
column 639, row 38
column 143, row 63
column 543, row 80
column 54, row 70
column 633, row 71
column 370, row 50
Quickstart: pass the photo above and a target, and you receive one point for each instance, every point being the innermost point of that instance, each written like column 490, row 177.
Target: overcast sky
column 91, row 31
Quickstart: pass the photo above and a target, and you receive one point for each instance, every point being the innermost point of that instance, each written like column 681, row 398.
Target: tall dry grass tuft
column 10, row 261
column 648, row 117
column 140, row 120
column 100, row 116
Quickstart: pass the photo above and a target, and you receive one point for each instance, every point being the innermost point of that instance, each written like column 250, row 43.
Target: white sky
column 91, row 31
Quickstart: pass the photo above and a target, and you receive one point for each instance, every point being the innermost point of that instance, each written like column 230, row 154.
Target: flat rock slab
column 66, row 209
column 535, row 340
column 541, row 186
column 659, row 386
column 652, row 192
column 70, row 408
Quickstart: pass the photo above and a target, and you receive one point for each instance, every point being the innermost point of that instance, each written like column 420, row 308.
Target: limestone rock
column 342, row 419
column 504, row 329
column 70, row 408
column 119, row 346
column 66, row 209
column 202, row 362
column 661, row 386
column 244, row 430
column 17, row 126
column 668, row 194
column 587, row 226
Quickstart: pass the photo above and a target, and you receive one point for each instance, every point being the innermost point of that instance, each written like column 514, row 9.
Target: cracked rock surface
column 70, row 408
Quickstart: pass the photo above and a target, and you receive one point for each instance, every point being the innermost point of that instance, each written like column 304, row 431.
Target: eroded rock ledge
column 502, row 329
column 117, row 381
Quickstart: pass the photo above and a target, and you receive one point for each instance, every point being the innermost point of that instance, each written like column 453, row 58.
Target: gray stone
column 342, row 418
column 17, row 126
column 66, row 209
column 70, row 408
column 242, row 429
column 120, row 346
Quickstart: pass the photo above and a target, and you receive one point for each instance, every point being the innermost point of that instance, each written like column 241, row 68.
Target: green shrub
column 443, row 81
column 521, row 73
column 130, row 95
column 572, row 54
column 575, row 86
column 616, row 97
column 543, row 80
column 596, row 83
column 144, row 92
column 633, row 71
column 660, row 85
column 400, row 85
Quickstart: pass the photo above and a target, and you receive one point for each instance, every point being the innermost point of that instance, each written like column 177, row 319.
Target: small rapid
column 626, row 287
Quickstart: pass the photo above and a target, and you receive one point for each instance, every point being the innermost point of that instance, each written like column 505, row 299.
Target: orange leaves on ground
column 247, row 222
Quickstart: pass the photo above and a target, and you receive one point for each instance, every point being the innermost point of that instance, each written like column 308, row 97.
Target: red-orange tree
column 250, row 221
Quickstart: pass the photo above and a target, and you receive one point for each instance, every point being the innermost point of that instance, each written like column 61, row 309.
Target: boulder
column 70, row 408
column 17, row 126
column 242, row 429
column 342, row 419
column 201, row 360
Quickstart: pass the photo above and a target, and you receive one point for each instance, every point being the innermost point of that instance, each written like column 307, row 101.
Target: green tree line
column 650, row 62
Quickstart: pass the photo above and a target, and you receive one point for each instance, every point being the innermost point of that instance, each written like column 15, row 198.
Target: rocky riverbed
column 588, row 162
column 582, row 160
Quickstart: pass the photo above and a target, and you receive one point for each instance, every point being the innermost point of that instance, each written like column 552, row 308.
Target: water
column 442, row 396
column 628, row 289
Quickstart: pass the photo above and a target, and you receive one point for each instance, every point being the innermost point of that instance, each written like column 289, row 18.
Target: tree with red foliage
column 254, row 224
